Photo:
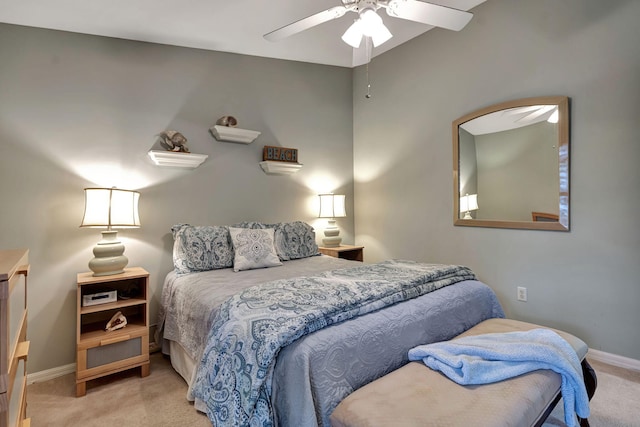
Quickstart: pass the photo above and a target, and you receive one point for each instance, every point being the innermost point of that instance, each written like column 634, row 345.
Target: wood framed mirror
column 511, row 165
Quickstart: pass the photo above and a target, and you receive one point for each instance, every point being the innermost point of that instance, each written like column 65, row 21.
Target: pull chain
column 368, row 95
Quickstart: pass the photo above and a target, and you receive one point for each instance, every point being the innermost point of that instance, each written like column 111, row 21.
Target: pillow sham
column 293, row 240
column 254, row 248
column 201, row 248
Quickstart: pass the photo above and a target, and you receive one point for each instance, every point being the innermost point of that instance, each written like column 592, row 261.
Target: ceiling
column 229, row 26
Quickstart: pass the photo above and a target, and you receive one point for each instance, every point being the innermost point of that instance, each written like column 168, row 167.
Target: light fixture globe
column 369, row 24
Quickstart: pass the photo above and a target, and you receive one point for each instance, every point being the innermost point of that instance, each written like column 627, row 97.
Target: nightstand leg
column 144, row 370
column 81, row 389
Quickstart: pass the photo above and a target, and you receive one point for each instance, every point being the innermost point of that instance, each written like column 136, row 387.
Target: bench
column 415, row 395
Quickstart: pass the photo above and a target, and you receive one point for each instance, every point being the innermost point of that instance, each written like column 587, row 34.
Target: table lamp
column 332, row 206
column 110, row 208
column 468, row 202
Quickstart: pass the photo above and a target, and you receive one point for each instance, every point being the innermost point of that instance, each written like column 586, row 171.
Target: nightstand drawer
column 98, row 356
column 113, row 354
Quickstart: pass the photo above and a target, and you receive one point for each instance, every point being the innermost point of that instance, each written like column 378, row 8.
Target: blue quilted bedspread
column 234, row 376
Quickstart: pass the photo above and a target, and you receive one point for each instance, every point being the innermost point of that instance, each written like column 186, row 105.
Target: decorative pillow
column 254, row 248
column 253, row 224
column 201, row 248
column 295, row 240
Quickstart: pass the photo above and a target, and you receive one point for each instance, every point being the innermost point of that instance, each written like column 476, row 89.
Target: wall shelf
column 280, row 168
column 231, row 134
column 179, row 160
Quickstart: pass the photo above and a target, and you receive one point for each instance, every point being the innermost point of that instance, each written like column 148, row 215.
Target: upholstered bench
column 415, row 395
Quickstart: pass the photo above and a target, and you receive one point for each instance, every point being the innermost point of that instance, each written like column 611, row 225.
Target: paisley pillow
column 201, row 248
column 254, row 248
column 293, row 240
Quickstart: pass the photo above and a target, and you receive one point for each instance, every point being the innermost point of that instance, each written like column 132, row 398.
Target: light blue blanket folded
column 489, row 358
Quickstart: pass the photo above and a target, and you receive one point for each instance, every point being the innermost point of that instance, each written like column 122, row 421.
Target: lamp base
column 108, row 255
column 332, row 235
column 467, row 215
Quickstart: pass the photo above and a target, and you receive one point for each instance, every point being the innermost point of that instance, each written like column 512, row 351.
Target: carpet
column 158, row 400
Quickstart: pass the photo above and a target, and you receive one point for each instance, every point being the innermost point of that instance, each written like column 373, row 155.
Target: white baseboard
column 614, row 360
column 600, row 356
column 49, row 374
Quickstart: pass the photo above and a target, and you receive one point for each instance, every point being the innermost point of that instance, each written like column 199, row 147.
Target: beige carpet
column 159, row 400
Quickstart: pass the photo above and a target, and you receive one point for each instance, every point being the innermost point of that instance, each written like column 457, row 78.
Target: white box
column 99, row 298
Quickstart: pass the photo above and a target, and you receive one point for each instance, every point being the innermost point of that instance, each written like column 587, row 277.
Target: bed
column 311, row 375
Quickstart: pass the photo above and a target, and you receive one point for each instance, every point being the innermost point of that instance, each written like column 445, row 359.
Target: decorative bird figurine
column 174, row 141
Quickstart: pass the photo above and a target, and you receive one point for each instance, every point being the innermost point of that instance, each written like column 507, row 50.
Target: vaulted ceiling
column 234, row 26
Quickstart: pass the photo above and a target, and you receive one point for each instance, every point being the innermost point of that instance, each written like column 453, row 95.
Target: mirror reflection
column 511, row 165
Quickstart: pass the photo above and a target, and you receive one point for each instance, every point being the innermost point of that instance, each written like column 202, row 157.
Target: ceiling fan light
column 381, row 35
column 372, row 26
column 370, row 21
column 353, row 35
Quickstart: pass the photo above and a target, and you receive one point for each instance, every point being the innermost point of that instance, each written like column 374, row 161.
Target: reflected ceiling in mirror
column 511, row 165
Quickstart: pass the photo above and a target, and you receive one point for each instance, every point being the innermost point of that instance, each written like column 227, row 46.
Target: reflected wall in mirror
column 511, row 165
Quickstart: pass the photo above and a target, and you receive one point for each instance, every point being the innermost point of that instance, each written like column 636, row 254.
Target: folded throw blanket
column 488, row 358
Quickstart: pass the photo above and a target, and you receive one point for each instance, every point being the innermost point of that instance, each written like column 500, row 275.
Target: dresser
column 14, row 347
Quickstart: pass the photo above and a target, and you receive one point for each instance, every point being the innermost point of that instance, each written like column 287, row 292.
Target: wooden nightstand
column 353, row 253
column 101, row 352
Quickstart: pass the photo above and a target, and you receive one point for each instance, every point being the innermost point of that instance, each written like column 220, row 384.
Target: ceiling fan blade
column 430, row 14
column 306, row 23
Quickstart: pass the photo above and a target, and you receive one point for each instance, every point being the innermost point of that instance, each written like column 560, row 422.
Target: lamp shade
column 469, row 202
column 111, row 208
column 332, row 206
column 353, row 35
column 368, row 24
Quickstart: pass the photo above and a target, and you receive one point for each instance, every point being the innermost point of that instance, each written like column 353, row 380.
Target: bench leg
column 590, row 383
column 590, row 379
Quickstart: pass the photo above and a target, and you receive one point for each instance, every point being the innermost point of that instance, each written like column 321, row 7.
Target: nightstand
column 101, row 352
column 353, row 253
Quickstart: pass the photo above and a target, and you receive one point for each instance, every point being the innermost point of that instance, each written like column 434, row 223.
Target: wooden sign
column 280, row 154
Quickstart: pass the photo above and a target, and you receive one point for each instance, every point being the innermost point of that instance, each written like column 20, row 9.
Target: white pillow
column 254, row 248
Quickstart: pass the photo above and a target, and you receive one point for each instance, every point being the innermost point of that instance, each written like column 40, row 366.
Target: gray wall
column 78, row 111
column 518, row 172
column 585, row 281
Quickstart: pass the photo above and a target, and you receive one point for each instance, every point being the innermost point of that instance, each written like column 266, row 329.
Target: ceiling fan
column 369, row 25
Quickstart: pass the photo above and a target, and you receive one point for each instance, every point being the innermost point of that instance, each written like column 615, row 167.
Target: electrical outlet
column 522, row 293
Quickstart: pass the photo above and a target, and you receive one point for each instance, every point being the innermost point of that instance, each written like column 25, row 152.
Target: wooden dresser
column 14, row 347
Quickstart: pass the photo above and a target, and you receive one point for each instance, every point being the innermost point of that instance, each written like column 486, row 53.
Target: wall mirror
column 511, row 165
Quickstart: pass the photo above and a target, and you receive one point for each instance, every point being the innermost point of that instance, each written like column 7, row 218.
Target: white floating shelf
column 280, row 168
column 230, row 134
column 178, row 160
